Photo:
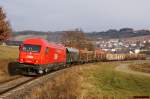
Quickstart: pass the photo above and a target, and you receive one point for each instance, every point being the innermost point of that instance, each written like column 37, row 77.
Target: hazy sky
column 90, row 15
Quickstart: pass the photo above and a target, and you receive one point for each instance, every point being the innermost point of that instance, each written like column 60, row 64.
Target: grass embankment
column 7, row 55
column 94, row 81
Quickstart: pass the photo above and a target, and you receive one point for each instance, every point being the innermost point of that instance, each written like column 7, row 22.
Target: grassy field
column 7, row 52
column 7, row 55
column 94, row 81
column 104, row 80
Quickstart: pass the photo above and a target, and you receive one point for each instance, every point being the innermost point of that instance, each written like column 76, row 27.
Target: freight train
column 37, row 56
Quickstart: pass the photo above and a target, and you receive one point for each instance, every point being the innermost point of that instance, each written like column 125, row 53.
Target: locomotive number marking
column 29, row 56
column 55, row 56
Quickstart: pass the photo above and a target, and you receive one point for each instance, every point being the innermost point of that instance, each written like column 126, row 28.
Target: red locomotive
column 38, row 56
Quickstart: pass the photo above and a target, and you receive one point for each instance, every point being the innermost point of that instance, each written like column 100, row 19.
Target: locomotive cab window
column 31, row 48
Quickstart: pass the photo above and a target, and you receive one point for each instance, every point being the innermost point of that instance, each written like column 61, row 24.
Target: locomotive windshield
column 31, row 48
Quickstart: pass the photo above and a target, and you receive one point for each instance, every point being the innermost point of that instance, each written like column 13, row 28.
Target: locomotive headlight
column 21, row 60
column 36, row 61
column 40, row 71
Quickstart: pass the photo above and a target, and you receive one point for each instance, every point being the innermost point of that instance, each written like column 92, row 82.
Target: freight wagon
column 135, row 57
column 72, row 56
column 122, row 57
column 86, row 56
column 115, row 57
column 99, row 55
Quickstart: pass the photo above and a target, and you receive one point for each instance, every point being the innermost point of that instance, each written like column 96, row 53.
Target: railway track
column 12, row 84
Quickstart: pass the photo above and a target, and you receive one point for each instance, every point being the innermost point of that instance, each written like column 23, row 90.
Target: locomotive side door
column 47, row 56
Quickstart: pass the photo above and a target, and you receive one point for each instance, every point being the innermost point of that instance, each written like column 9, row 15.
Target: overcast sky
column 90, row 15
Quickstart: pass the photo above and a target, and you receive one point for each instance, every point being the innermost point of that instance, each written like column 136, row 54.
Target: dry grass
column 4, row 71
column 7, row 55
column 65, row 86
column 7, row 52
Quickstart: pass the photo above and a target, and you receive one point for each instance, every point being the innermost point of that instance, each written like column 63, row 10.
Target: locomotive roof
column 35, row 41
column 40, row 41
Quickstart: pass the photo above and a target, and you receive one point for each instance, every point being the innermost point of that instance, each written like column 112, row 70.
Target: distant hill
column 122, row 33
column 56, row 36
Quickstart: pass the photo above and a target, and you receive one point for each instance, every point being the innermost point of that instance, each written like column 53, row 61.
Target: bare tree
column 76, row 39
column 5, row 29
